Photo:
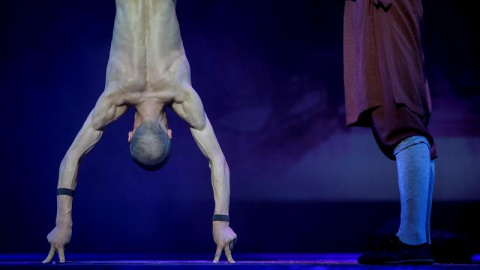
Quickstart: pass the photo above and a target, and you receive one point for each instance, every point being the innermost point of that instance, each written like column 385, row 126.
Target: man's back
column 146, row 51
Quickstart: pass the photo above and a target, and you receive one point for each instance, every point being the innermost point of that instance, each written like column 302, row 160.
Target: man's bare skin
column 147, row 70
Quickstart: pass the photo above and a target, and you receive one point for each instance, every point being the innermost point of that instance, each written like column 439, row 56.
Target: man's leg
column 415, row 180
column 402, row 135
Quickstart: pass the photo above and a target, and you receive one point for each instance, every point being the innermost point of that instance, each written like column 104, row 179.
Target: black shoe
column 394, row 251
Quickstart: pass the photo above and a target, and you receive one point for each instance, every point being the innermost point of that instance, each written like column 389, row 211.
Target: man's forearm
column 67, row 175
column 221, row 185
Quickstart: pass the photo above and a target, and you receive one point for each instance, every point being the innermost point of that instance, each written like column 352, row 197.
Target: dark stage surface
column 199, row 261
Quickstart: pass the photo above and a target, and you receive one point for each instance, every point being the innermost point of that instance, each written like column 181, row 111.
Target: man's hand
column 225, row 239
column 58, row 238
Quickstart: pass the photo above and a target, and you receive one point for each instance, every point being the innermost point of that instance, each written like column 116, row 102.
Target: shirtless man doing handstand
column 147, row 70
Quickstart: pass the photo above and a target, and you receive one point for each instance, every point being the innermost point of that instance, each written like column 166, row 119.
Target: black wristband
column 65, row 191
column 225, row 218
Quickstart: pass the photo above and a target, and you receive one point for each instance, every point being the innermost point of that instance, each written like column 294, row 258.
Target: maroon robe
column 383, row 52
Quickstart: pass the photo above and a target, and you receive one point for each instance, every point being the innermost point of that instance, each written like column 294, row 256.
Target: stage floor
column 342, row 261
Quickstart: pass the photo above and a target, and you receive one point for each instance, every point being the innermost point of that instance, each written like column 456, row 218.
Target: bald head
column 150, row 146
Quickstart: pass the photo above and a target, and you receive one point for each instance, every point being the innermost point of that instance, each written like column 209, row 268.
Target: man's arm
column 101, row 116
column 190, row 109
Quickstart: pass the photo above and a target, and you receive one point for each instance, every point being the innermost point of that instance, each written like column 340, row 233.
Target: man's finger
column 218, row 253
column 50, row 255
column 61, row 255
column 228, row 253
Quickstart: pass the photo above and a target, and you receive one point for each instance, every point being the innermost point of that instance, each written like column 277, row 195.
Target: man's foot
column 394, row 251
